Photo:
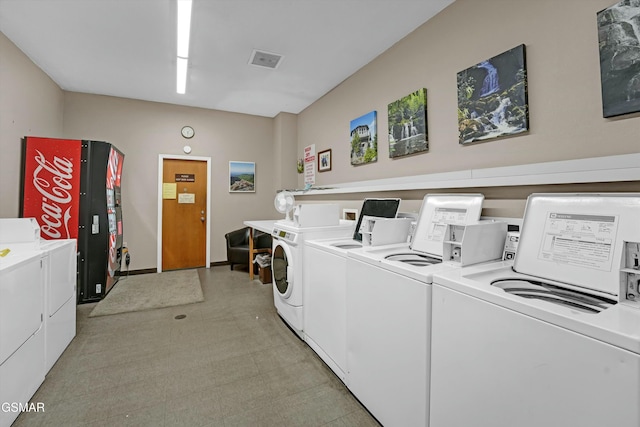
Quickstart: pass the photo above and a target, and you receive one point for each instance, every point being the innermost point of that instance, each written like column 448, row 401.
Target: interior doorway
column 184, row 224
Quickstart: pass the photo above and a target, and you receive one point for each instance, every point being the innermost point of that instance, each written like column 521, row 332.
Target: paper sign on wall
column 310, row 164
column 169, row 190
column 185, row 177
column 186, row 198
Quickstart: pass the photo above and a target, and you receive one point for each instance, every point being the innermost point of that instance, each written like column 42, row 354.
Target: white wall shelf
column 625, row 167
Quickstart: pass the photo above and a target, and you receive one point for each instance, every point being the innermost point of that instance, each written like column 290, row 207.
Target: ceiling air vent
column 265, row 59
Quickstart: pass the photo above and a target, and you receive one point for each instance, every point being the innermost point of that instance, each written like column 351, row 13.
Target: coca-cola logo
column 112, row 169
column 53, row 181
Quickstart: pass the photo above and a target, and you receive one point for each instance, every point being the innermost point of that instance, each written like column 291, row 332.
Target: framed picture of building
column 619, row 38
column 492, row 98
column 242, row 177
column 408, row 125
column 364, row 139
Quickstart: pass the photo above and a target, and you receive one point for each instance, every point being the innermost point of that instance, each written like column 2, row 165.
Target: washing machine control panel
column 287, row 236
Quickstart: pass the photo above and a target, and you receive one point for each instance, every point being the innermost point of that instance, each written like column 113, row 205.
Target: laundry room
column 307, row 203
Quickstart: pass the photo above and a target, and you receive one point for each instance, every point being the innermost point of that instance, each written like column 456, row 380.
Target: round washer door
column 280, row 262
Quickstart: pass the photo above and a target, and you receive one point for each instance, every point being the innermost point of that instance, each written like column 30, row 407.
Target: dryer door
column 282, row 268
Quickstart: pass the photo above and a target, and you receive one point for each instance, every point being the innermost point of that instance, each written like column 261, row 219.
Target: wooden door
column 184, row 217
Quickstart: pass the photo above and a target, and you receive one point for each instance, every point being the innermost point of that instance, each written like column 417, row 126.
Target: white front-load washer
column 287, row 266
column 388, row 314
column 554, row 339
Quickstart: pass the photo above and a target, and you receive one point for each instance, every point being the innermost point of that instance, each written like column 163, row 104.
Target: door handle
column 202, row 218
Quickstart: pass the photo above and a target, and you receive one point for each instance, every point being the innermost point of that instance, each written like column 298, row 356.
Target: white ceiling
column 127, row 48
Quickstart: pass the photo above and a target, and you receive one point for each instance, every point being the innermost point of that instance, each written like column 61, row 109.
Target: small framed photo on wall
column 324, row 161
column 242, row 177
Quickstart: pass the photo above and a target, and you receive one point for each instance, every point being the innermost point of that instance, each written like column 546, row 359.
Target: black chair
column 238, row 245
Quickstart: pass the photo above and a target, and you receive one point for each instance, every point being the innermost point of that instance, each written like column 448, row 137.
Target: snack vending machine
column 73, row 189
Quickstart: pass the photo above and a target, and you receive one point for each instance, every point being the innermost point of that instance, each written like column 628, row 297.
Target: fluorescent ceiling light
column 181, row 86
column 184, row 27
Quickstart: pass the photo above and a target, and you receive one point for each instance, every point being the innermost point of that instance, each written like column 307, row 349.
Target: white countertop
column 266, row 226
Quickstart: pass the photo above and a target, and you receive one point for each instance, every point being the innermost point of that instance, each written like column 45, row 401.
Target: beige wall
column 564, row 91
column 285, row 141
column 143, row 130
column 30, row 104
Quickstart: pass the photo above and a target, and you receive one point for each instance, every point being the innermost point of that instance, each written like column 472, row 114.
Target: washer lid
column 436, row 212
column 417, row 259
column 578, row 238
column 534, row 289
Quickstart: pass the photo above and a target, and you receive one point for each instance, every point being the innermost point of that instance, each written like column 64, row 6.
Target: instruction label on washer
column 579, row 240
column 442, row 217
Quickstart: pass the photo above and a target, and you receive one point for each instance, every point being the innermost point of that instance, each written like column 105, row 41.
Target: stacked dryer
column 554, row 339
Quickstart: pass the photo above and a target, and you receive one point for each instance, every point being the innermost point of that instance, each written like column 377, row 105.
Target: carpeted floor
column 229, row 361
column 147, row 291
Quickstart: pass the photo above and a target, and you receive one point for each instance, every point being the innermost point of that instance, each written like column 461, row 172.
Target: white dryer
column 21, row 314
column 60, row 297
column 554, row 339
column 287, row 266
column 388, row 314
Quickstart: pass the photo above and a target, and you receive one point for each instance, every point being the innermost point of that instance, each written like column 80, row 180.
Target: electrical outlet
column 98, row 288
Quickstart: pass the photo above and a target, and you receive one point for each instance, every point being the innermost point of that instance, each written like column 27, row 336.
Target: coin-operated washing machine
column 22, row 338
column 325, row 276
column 552, row 339
column 318, row 221
column 388, row 305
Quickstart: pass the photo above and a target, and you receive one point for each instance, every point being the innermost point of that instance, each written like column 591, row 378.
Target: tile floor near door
column 230, row 362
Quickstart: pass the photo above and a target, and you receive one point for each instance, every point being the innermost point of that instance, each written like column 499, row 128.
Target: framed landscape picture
column 408, row 125
column 619, row 41
column 364, row 139
column 242, row 177
column 492, row 98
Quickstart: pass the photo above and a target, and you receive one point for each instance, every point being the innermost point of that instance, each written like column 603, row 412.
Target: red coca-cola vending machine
column 72, row 188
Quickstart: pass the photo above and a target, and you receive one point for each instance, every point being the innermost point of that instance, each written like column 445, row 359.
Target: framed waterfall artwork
column 364, row 139
column 492, row 98
column 408, row 125
column 242, row 177
column 619, row 42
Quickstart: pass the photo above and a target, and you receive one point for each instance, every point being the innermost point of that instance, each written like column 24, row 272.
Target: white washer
column 287, row 262
column 21, row 315
column 60, row 297
column 388, row 315
column 325, row 294
column 325, row 301
column 553, row 340
column 325, row 276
